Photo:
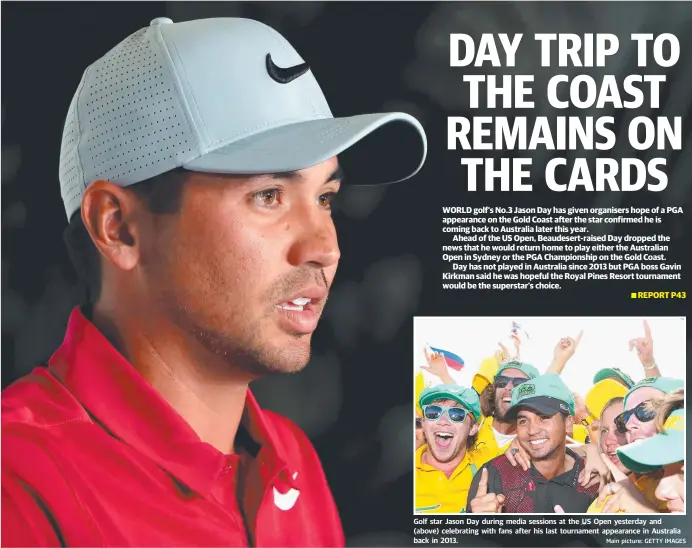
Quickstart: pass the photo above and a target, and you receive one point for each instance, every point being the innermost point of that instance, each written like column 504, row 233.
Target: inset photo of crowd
column 573, row 415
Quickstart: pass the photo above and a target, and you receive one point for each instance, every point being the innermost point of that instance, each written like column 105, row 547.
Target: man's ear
column 107, row 214
column 474, row 429
column 569, row 422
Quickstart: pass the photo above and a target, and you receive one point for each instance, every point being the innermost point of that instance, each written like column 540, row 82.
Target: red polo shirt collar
column 114, row 393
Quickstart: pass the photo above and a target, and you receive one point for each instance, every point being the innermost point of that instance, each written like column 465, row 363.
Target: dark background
column 354, row 399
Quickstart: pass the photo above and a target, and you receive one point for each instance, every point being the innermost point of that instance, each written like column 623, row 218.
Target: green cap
column 664, row 384
column 667, row 447
column 547, row 394
column 529, row 370
column 615, row 374
column 467, row 397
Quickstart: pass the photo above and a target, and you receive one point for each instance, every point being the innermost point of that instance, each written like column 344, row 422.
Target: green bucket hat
column 529, row 370
column 667, row 447
column 466, row 397
column 547, row 394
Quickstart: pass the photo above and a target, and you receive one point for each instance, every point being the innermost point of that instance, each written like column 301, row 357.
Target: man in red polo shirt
column 198, row 163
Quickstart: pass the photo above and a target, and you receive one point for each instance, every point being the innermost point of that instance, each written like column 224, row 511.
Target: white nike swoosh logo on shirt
column 286, row 501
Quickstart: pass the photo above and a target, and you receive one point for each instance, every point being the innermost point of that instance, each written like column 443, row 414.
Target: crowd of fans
column 520, row 441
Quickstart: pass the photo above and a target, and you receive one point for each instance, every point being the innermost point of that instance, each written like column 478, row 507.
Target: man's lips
column 310, row 297
column 538, row 442
column 301, row 312
column 443, row 439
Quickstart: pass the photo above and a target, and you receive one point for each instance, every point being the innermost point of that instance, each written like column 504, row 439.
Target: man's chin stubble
column 251, row 356
column 501, row 418
column 548, row 456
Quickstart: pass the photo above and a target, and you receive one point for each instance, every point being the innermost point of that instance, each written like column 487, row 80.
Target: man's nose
column 444, row 418
column 315, row 242
column 534, row 427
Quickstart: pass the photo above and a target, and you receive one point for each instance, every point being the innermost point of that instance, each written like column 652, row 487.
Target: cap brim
column 609, row 373
column 540, row 405
column 650, row 454
column 479, row 383
column 372, row 149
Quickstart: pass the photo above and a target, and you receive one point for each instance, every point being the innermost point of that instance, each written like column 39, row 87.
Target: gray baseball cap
column 223, row 95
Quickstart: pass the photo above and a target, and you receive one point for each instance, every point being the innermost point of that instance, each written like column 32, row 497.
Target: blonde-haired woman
column 661, row 454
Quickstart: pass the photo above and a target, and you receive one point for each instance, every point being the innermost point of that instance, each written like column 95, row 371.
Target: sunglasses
column 501, row 381
column 435, row 412
column 640, row 411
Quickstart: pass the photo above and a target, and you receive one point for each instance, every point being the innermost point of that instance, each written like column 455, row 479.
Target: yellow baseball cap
column 580, row 434
column 601, row 393
column 484, row 375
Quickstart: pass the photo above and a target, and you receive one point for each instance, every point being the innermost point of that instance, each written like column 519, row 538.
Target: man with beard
column 543, row 409
column 444, row 465
column 497, row 432
column 198, row 165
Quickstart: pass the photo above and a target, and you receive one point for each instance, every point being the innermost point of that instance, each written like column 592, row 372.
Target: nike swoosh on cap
column 286, row 501
column 285, row 75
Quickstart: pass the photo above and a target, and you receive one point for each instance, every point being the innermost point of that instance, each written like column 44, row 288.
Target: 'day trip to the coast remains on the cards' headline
column 487, row 133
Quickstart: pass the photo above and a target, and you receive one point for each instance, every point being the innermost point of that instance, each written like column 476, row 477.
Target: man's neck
column 505, row 428
column 559, row 463
column 447, row 468
column 211, row 403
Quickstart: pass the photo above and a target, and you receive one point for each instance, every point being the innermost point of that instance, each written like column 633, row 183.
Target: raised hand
column 484, row 502
column 502, row 355
column 437, row 365
column 645, row 347
column 622, row 495
column 615, row 472
column 566, row 347
column 595, row 471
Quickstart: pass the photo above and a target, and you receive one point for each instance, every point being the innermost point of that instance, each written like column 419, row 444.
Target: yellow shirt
column 596, row 508
column 486, row 449
column 435, row 492
column 646, row 484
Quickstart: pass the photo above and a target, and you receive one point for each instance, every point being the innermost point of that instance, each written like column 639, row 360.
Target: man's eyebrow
column 337, row 175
